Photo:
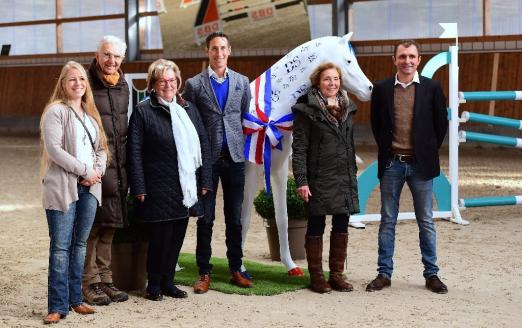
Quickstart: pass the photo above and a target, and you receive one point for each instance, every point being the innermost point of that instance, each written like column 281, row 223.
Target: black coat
column 323, row 157
column 430, row 124
column 112, row 103
column 153, row 162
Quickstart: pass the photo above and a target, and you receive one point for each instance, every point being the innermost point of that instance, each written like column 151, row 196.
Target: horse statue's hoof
column 296, row 272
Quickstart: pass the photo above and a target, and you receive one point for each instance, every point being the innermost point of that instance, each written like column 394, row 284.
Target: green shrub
column 136, row 231
column 264, row 204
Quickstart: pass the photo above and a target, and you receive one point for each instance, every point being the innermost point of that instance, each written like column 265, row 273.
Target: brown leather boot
column 338, row 244
column 314, row 257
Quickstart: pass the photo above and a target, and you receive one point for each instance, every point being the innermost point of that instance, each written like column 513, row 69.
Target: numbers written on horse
column 275, row 95
column 303, row 88
column 292, row 64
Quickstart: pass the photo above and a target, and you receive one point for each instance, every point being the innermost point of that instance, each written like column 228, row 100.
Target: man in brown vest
column 409, row 122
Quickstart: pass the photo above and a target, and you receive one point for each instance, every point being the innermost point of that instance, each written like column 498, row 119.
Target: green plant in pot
column 135, row 231
column 129, row 252
column 264, row 206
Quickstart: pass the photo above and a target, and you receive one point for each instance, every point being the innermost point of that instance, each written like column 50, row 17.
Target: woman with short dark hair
column 169, row 168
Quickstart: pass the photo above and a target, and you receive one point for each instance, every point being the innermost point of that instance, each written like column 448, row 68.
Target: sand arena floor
column 480, row 263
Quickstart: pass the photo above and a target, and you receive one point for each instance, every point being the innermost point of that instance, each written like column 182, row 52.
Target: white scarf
column 188, row 149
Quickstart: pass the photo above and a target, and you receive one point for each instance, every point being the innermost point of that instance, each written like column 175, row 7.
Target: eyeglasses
column 108, row 55
column 162, row 82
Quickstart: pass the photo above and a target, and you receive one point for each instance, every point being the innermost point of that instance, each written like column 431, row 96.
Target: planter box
column 129, row 265
column 296, row 239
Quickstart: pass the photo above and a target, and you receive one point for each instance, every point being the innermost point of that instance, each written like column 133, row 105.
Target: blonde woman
column 73, row 162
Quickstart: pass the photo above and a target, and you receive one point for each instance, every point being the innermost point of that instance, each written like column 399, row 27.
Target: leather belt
column 403, row 158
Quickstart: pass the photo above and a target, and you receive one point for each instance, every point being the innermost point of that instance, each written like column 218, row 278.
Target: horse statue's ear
column 347, row 37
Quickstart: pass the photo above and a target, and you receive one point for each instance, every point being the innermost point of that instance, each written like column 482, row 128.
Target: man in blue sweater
column 222, row 97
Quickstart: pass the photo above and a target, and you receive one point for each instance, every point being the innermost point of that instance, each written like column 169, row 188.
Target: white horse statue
column 269, row 122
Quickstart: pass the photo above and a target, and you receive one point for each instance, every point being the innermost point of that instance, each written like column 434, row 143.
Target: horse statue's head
column 354, row 79
column 276, row 90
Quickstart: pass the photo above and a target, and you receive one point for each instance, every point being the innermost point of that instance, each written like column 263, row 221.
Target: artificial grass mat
column 268, row 279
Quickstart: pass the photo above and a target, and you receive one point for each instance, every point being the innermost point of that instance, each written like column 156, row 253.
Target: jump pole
column 466, row 136
column 454, row 135
column 490, row 95
column 490, row 201
column 492, row 120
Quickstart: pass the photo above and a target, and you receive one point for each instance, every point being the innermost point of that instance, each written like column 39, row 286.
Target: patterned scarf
column 334, row 113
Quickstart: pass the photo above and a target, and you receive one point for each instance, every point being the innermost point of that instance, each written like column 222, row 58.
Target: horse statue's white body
column 269, row 121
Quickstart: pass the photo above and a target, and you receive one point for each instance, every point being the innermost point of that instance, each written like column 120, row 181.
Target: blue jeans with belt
column 68, row 233
column 395, row 175
column 232, row 176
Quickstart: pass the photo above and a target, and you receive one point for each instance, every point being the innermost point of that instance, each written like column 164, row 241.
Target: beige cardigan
column 59, row 185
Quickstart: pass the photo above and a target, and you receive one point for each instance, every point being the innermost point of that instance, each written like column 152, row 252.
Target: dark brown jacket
column 323, row 157
column 112, row 103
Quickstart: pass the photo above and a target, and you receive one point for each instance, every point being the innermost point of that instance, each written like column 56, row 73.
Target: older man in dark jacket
column 111, row 95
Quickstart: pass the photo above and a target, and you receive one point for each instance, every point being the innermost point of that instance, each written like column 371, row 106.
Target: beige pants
column 98, row 256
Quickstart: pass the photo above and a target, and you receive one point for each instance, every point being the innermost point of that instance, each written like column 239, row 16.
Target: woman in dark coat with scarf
column 168, row 157
column 323, row 161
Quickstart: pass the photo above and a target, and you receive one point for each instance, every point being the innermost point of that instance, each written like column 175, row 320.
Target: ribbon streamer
column 262, row 130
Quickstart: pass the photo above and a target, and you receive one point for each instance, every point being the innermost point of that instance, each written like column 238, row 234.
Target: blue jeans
column 232, row 176
column 392, row 182
column 68, row 233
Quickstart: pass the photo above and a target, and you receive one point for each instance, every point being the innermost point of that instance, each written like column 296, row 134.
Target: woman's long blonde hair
column 59, row 96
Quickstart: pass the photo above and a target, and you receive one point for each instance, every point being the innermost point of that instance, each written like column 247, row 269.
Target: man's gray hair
column 120, row 46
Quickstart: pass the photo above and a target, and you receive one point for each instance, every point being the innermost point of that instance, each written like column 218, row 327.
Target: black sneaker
column 173, row 291
column 153, row 293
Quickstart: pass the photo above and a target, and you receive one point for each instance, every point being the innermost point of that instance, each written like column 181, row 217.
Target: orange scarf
column 112, row 79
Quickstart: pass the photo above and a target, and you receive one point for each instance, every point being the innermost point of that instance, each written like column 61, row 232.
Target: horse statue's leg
column 279, row 178
column 251, row 172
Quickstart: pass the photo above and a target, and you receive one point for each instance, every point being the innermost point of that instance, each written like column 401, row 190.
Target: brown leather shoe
column 83, row 309
column 240, row 281
column 52, row 318
column 201, row 286
column 434, row 284
column 380, row 282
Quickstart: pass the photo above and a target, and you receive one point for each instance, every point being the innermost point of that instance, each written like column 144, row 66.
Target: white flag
column 450, row 30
